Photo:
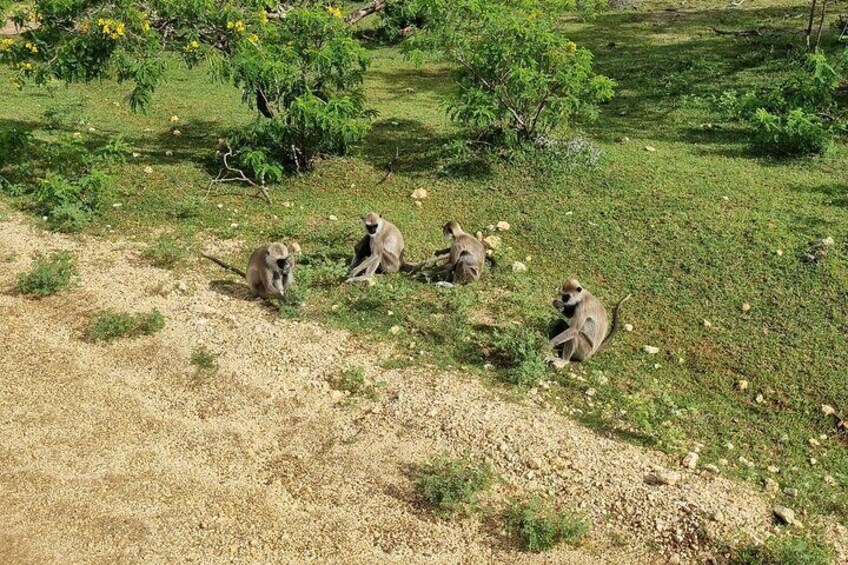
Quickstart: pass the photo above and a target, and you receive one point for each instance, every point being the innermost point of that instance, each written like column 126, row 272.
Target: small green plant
column 799, row 116
column 518, row 76
column 166, row 252
column 354, row 382
column 539, row 529
column 518, row 350
column 48, row 275
column 203, row 359
column 785, row 550
column 109, row 326
column 452, row 485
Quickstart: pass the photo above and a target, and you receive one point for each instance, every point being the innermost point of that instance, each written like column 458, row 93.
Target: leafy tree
column 518, row 76
column 299, row 66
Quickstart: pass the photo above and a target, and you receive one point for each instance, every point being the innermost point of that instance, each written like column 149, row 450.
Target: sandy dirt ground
column 125, row 453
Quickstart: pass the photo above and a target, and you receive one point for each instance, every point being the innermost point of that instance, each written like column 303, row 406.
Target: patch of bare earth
column 124, row 453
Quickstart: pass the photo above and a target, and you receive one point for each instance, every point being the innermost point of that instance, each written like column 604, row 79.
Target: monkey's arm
column 576, row 328
column 361, row 252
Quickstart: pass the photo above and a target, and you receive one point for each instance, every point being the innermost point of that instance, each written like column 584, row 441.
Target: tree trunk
column 262, row 104
column 810, row 22
column 821, row 23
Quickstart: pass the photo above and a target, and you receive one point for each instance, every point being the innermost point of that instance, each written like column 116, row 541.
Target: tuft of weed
column 354, row 382
column 452, row 485
column 48, row 275
column 518, row 350
column 539, row 529
column 109, row 326
column 203, row 359
column 166, row 252
column 784, row 550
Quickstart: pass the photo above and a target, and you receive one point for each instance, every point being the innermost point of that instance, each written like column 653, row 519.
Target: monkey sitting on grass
column 585, row 335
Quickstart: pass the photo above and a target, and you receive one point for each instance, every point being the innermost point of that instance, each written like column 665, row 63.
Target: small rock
column 650, row 148
column 723, row 462
column 773, row 469
column 336, row 395
column 559, row 364
column 519, row 267
column 828, row 410
column 813, row 461
column 332, row 217
column 91, row 130
column 177, row 133
column 479, row 236
column 814, row 442
column 691, row 460
column 651, row 350
column 419, row 194
column 708, row 324
column 136, row 154
column 729, row 445
column 182, row 287
column 827, row 242
column 117, row 205
column 717, row 516
column 295, row 247
column 175, row 119
column 394, row 330
column 779, row 253
column 535, row 464
column 492, row 242
column 742, row 384
column 335, row 307
column 169, row 153
column 746, row 462
column 628, row 327
column 759, row 399
column 502, row 226
column 746, row 308
column 662, row 477
column 712, row 469
column 590, row 392
column 148, row 169
column 829, row 480
column 787, row 516
column 771, row 485
column 789, row 491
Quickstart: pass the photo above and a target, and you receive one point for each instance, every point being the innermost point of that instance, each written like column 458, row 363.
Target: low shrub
column 166, row 252
column 203, row 359
column 354, row 382
column 48, row 275
column 109, row 326
column 452, row 485
column 785, row 550
column 518, row 350
column 539, row 529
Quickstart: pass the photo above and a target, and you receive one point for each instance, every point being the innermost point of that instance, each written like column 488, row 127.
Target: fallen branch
column 237, row 176
column 365, row 11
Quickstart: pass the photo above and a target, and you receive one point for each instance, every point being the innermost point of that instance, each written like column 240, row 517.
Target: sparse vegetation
column 109, row 326
column 49, row 274
column 203, row 359
column 452, row 485
column 167, row 252
column 538, row 528
column 354, row 381
column 785, row 549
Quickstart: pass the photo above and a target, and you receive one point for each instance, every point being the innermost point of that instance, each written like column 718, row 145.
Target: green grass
column 787, row 549
column 692, row 230
column 450, row 486
column 166, row 252
column 49, row 274
column 538, row 529
column 353, row 381
column 111, row 326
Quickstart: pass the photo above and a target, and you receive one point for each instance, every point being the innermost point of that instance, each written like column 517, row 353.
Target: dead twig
column 228, row 173
column 390, row 166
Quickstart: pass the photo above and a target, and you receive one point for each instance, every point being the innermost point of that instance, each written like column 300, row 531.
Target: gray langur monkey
column 586, row 334
column 270, row 271
column 379, row 251
column 465, row 257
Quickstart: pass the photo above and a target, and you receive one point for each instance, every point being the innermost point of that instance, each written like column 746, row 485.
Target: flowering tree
column 299, row 66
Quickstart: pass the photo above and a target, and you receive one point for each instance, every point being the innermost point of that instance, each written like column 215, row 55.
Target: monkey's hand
column 445, row 284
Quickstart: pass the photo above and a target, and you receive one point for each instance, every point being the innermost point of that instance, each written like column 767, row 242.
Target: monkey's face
column 372, row 224
column 283, row 264
column 569, row 296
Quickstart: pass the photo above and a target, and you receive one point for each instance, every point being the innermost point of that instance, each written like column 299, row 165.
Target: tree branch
column 365, row 11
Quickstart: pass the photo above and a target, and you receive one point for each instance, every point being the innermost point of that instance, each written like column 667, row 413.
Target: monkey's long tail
column 615, row 323
column 227, row 266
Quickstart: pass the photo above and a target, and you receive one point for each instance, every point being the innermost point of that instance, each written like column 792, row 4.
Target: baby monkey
column 270, row 271
column 585, row 336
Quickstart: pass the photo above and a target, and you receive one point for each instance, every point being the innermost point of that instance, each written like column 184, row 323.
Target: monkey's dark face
column 371, row 229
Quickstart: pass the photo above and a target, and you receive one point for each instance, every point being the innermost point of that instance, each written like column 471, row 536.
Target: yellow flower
column 192, row 46
column 571, row 47
column 263, row 18
column 253, row 38
column 33, row 15
column 237, row 26
column 26, row 66
column 17, row 84
column 32, row 48
column 335, row 12
column 145, row 21
column 6, row 44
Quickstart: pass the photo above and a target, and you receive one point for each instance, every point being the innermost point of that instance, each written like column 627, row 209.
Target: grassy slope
column 692, row 230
